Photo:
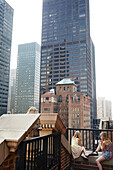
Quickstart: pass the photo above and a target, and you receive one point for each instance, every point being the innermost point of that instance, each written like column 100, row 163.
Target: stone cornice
column 52, row 121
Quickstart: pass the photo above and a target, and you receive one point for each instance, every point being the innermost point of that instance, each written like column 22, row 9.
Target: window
column 60, row 98
column 75, row 99
column 46, row 109
column 67, row 98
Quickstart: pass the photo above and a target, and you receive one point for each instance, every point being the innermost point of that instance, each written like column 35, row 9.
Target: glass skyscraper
column 94, row 101
column 27, row 77
column 66, row 45
column 6, row 24
column 12, row 85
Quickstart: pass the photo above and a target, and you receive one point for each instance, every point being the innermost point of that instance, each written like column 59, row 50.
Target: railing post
column 45, row 149
column 59, row 153
column 93, row 142
column 22, row 162
column 86, row 140
column 66, row 134
column 89, row 140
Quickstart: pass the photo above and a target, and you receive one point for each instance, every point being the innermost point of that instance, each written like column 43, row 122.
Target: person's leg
column 84, row 152
column 100, row 159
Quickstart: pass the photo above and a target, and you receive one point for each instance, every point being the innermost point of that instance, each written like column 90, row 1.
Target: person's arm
column 79, row 142
column 99, row 146
column 103, row 146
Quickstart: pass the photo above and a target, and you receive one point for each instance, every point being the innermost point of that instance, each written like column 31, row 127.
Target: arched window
column 72, row 99
column 60, row 98
column 67, row 98
column 75, row 99
column 78, row 97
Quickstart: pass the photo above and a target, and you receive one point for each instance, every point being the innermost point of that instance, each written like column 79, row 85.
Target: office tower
column 94, row 101
column 6, row 24
column 12, row 85
column 109, row 109
column 101, row 107
column 104, row 108
column 66, row 45
column 27, row 77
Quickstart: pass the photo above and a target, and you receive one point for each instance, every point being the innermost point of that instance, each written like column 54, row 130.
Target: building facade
column 49, row 103
column 109, row 109
column 27, row 77
column 73, row 107
column 66, row 46
column 12, row 86
column 94, row 101
column 64, row 89
column 104, row 108
column 6, row 24
column 79, row 111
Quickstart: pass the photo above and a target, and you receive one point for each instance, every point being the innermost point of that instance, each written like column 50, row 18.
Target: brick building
column 79, row 110
column 64, row 89
column 73, row 107
column 49, row 102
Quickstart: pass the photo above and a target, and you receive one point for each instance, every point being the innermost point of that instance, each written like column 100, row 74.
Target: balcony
column 52, row 150
column 48, row 152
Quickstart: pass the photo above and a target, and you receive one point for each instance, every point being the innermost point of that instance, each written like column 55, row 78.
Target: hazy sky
column 27, row 28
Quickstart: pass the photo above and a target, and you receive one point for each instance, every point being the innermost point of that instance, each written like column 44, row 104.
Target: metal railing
column 41, row 153
column 90, row 137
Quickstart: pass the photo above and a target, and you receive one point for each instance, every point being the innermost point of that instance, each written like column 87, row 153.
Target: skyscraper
column 12, row 85
column 6, row 24
column 66, row 45
column 104, row 108
column 94, row 101
column 27, row 77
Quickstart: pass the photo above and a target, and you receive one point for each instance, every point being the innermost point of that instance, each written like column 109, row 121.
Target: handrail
column 40, row 137
column 90, row 137
column 43, row 152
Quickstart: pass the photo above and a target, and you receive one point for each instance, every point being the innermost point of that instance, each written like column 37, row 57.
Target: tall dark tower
column 6, row 24
column 66, row 45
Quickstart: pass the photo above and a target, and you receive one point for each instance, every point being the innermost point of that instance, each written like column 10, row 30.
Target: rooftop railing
column 44, row 153
column 90, row 137
column 41, row 153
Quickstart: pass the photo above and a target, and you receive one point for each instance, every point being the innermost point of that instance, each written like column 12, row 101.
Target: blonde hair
column 77, row 134
column 32, row 109
column 105, row 137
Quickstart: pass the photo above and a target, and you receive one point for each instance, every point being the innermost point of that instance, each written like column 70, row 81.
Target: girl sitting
column 107, row 149
column 77, row 147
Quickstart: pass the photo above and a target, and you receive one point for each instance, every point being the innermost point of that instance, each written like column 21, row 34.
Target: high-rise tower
column 94, row 101
column 66, row 45
column 6, row 24
column 12, row 85
column 27, row 77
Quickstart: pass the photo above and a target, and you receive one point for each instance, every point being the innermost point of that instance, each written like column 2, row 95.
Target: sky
column 27, row 28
